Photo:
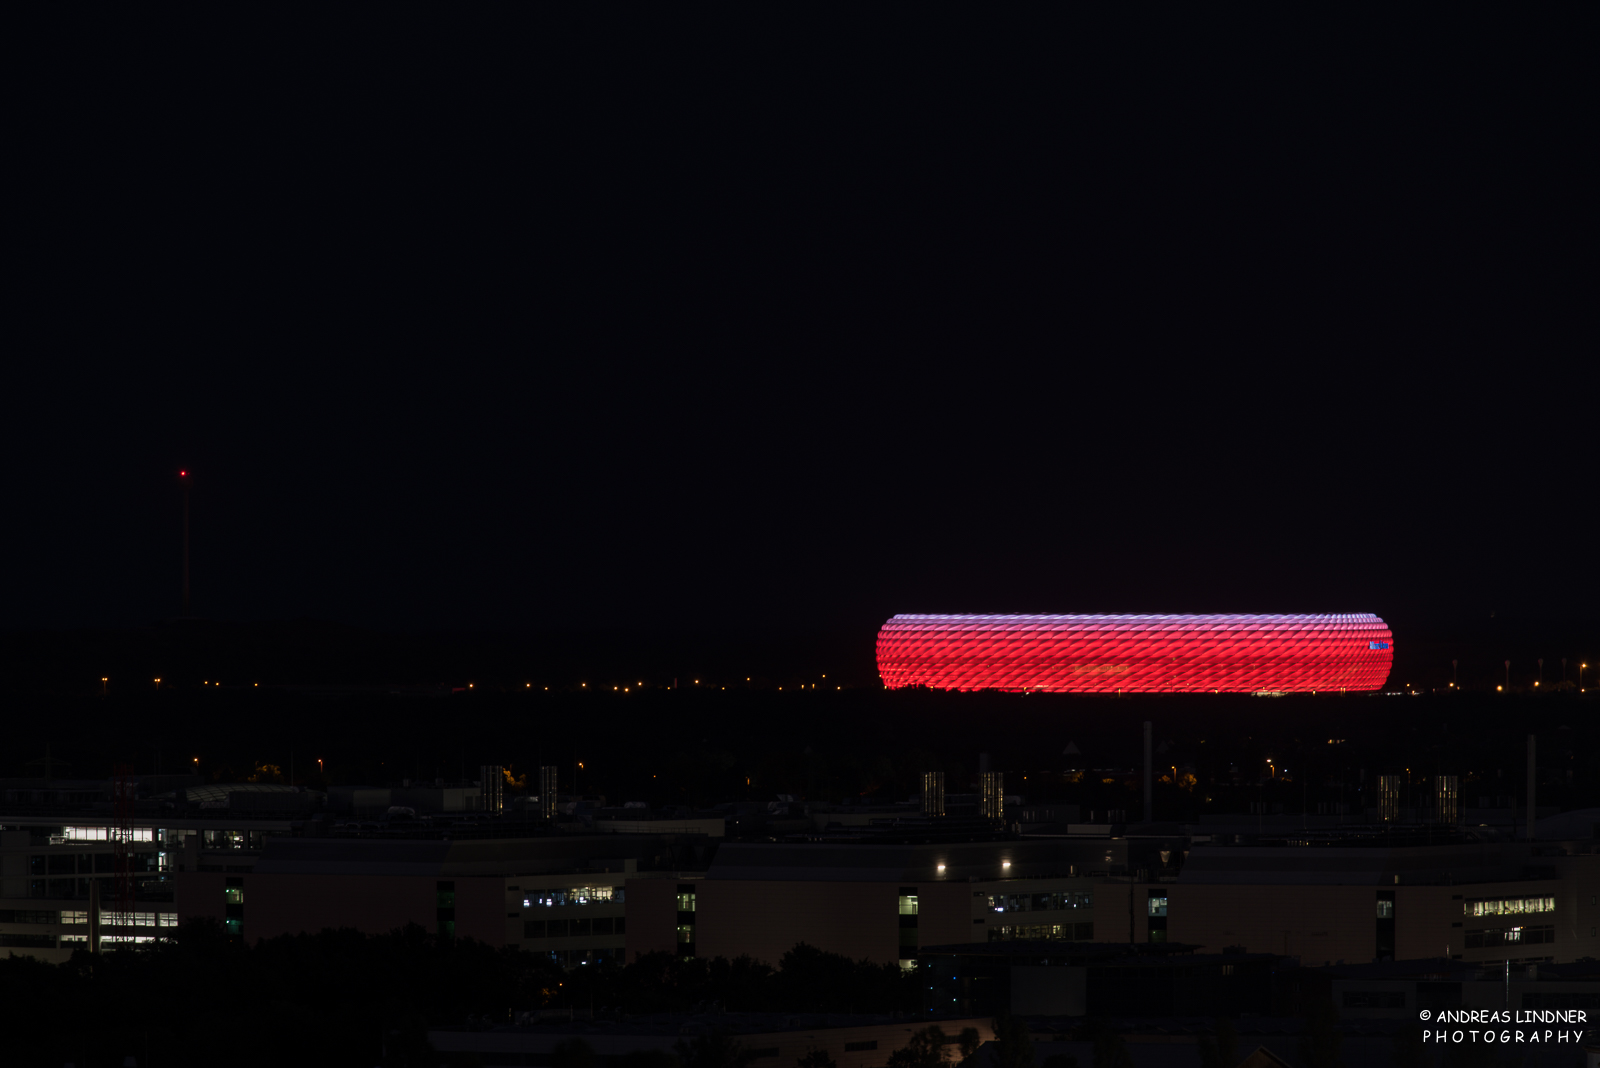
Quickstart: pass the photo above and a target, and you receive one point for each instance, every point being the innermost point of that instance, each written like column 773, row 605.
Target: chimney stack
column 1389, row 798
column 1447, row 799
column 547, row 792
column 1533, row 779
column 493, row 778
column 992, row 785
column 933, row 793
column 1148, row 792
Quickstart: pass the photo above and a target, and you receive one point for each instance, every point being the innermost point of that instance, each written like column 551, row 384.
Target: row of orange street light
column 1581, row 669
column 105, row 684
column 196, row 762
column 640, row 685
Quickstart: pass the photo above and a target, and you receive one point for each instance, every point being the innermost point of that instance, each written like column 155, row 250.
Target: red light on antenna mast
column 183, row 474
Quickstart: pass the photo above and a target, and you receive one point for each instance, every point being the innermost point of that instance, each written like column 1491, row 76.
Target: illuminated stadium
column 1136, row 653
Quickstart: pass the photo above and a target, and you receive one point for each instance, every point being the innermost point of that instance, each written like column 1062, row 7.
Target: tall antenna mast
column 183, row 479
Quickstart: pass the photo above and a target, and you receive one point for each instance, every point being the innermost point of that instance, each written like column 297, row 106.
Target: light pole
column 1508, row 674
column 183, row 477
column 1455, row 683
column 1541, row 672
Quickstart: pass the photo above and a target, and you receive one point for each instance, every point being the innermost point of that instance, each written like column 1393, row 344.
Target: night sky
column 506, row 319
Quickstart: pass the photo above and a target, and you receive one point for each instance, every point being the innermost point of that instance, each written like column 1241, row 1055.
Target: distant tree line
column 805, row 980
column 928, row 1047
column 347, row 998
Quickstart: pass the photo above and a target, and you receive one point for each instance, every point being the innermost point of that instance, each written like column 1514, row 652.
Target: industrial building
column 66, row 885
column 556, row 894
column 1399, row 990
column 1102, row 979
column 1042, row 913
column 883, row 899
column 1359, row 894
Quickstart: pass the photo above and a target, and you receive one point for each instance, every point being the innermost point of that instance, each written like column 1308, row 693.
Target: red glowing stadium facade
column 1136, row 654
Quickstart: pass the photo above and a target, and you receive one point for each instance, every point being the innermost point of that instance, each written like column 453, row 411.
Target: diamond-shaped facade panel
column 1136, row 654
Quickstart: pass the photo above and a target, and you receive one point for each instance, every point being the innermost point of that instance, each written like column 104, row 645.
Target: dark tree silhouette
column 816, row 1058
column 1013, row 1046
column 926, row 1049
column 1321, row 1039
column 1220, row 1049
column 714, row 1050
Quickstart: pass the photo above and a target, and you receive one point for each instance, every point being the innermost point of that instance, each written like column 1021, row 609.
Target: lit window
column 166, row 919
column 685, row 933
column 908, row 904
column 1158, row 906
column 104, row 834
column 234, row 895
column 577, row 895
column 1386, row 910
column 686, row 902
column 1508, row 906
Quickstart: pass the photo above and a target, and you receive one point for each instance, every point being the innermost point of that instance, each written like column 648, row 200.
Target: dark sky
column 509, row 318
